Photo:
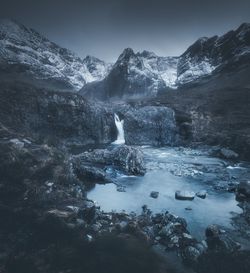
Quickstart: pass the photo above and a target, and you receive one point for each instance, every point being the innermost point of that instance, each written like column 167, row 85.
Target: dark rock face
column 61, row 118
column 243, row 190
column 150, row 125
column 90, row 166
column 55, row 117
column 218, row 110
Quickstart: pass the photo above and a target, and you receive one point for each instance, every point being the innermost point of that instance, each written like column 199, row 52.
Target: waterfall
column 120, row 131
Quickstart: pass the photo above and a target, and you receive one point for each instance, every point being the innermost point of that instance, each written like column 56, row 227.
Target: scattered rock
column 91, row 174
column 154, row 194
column 184, row 195
column 212, row 231
column 201, row 194
column 121, row 188
column 228, row 154
column 191, row 254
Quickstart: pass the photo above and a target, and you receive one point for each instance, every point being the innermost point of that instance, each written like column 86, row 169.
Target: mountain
column 164, row 67
column 97, row 68
column 135, row 74
column 27, row 55
column 146, row 74
column 215, row 54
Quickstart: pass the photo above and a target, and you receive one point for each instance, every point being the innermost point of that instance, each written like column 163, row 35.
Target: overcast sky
column 104, row 28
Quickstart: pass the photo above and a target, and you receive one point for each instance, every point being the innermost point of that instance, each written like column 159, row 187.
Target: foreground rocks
column 219, row 240
column 47, row 222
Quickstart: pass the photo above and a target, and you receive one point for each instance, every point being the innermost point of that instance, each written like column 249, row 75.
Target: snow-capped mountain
column 26, row 54
column 164, row 67
column 146, row 73
column 133, row 74
column 214, row 54
column 97, row 68
column 136, row 74
column 45, row 60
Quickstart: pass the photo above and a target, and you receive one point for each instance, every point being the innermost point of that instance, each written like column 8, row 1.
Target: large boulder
column 243, row 190
column 130, row 159
column 92, row 165
column 150, row 125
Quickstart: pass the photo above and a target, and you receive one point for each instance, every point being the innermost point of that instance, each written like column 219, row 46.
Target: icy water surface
column 172, row 169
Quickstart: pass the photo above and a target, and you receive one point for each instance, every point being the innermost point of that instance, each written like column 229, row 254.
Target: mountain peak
column 244, row 26
column 127, row 53
column 147, row 54
column 243, row 32
column 10, row 26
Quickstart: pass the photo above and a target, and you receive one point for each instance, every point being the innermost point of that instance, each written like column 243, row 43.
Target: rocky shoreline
column 44, row 198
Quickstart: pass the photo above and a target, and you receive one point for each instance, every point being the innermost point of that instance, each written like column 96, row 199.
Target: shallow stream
column 172, row 169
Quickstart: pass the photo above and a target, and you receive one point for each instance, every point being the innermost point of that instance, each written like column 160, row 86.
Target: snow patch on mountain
column 97, row 68
column 45, row 59
column 195, row 70
column 164, row 67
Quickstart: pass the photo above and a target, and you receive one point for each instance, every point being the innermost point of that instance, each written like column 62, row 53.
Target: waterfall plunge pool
column 172, row 169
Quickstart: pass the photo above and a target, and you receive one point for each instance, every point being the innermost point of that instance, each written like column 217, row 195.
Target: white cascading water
column 120, row 131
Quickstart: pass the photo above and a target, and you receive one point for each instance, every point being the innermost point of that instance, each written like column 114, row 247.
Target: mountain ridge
column 30, row 55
